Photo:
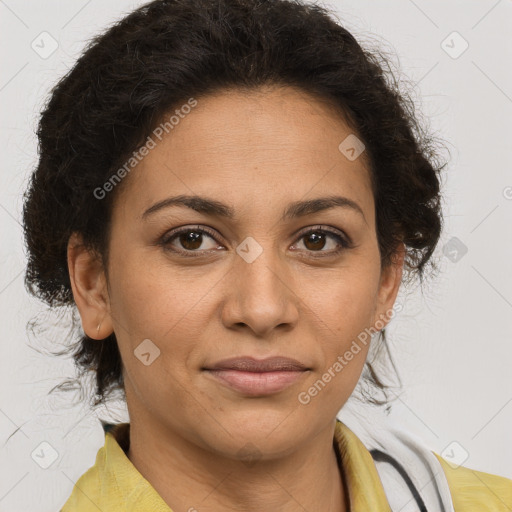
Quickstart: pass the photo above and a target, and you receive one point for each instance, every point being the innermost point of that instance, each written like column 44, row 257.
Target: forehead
column 273, row 144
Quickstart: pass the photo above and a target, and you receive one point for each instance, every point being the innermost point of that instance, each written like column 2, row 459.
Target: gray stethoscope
column 384, row 457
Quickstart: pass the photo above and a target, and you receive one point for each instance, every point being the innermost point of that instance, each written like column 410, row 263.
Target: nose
column 260, row 295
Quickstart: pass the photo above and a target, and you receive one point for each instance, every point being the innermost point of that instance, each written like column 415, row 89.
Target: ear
column 390, row 280
column 89, row 286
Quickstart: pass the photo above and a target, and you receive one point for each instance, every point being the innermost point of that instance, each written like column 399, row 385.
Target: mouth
column 257, row 377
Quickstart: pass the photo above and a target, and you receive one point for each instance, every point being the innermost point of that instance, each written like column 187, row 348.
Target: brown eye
column 316, row 240
column 189, row 240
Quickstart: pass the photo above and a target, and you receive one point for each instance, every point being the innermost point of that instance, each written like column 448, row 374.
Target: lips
column 250, row 364
column 257, row 377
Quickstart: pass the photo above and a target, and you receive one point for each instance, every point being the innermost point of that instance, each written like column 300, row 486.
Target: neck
column 191, row 478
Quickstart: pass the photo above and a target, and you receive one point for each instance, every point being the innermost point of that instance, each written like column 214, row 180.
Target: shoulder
column 406, row 463
column 102, row 485
column 474, row 491
column 87, row 488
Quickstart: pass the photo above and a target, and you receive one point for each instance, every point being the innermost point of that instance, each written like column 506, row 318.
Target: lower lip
column 257, row 383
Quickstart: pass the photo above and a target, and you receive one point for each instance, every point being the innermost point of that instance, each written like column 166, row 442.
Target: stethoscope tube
column 380, row 456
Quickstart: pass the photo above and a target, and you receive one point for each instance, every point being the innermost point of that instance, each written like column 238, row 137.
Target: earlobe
column 88, row 283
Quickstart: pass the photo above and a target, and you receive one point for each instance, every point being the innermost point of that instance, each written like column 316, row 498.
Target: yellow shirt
column 113, row 484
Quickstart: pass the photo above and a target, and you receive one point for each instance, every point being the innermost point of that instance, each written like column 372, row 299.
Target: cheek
column 156, row 302
column 344, row 303
column 158, row 318
column 342, row 312
column 151, row 298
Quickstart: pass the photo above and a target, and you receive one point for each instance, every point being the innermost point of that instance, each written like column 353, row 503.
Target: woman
column 230, row 193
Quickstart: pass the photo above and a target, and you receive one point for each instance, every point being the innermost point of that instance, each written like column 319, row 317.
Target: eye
column 190, row 240
column 316, row 239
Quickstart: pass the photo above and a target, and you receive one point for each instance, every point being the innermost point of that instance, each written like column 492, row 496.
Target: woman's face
column 256, row 284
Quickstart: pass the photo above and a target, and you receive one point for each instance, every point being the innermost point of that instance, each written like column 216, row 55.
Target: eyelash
column 169, row 237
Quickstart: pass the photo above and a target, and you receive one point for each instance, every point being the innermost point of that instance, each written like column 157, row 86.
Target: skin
column 257, row 152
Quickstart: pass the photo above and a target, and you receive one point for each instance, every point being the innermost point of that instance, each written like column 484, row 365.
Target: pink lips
column 257, row 377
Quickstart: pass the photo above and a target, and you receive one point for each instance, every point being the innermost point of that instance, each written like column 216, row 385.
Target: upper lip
column 251, row 364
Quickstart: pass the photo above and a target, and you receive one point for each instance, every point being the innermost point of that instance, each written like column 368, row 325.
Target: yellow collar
column 114, row 484
column 364, row 486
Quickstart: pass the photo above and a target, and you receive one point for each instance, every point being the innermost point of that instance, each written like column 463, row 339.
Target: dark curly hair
column 167, row 51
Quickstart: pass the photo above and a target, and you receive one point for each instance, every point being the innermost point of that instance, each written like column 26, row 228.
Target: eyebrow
column 216, row 208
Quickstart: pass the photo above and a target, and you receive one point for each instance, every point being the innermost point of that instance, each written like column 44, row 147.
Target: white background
column 452, row 344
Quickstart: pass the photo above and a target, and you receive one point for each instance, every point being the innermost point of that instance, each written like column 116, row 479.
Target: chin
column 270, row 433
